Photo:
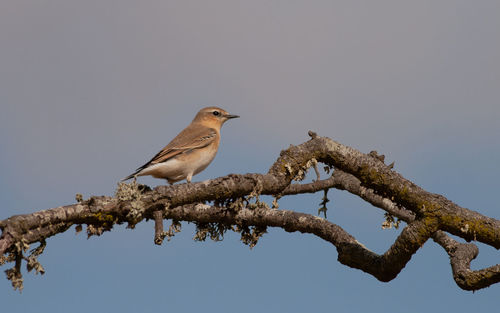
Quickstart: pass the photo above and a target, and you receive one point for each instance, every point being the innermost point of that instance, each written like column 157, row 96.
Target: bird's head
column 213, row 117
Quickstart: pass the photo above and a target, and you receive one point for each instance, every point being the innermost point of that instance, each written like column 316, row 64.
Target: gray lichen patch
column 389, row 221
column 128, row 192
column 302, row 170
column 213, row 230
column 250, row 235
column 174, row 228
column 132, row 193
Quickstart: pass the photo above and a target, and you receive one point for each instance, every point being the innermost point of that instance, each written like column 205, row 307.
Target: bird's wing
column 189, row 139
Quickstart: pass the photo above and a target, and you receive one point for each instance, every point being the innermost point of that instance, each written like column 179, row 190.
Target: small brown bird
column 191, row 151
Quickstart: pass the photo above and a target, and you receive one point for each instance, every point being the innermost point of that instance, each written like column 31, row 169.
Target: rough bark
column 236, row 206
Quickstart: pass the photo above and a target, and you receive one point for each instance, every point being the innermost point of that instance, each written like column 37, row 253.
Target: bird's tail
column 137, row 171
column 134, row 175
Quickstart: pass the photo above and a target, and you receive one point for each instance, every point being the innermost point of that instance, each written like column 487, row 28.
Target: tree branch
column 460, row 254
column 427, row 215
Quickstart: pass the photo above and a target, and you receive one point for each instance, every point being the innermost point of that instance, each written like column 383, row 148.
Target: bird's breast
column 197, row 160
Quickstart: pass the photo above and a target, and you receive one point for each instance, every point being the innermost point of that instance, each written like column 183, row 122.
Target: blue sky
column 89, row 90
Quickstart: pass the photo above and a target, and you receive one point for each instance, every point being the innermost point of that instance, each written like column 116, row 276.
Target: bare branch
column 460, row 254
column 352, row 253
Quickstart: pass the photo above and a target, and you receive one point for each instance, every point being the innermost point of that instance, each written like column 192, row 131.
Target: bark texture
column 236, row 206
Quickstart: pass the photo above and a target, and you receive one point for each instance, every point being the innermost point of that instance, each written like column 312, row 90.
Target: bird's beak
column 229, row 116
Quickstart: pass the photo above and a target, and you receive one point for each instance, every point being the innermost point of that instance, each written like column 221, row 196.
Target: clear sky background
column 90, row 90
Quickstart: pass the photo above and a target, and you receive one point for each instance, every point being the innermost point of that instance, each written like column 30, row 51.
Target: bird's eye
column 216, row 113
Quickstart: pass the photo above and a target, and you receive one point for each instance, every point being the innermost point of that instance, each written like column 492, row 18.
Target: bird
column 191, row 151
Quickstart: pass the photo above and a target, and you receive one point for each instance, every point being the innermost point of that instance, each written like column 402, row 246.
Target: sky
column 90, row 90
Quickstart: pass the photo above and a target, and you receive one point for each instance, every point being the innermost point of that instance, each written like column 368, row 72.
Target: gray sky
column 89, row 90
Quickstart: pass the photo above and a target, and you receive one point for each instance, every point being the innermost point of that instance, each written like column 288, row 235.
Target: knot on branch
column 374, row 154
column 312, row 134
